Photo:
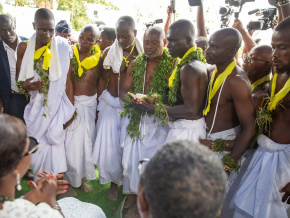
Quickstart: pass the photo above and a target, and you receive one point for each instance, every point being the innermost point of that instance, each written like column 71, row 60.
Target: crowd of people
column 177, row 121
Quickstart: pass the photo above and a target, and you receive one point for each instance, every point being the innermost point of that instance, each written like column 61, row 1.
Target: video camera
column 153, row 22
column 225, row 12
column 266, row 22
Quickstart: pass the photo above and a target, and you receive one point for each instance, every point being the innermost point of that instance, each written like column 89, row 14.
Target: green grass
column 97, row 196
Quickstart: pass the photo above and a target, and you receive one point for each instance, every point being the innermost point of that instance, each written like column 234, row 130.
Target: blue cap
column 62, row 27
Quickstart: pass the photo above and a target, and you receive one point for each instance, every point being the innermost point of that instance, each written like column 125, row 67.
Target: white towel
column 27, row 71
column 114, row 57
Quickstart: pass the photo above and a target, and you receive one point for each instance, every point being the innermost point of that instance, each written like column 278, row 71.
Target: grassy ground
column 97, row 196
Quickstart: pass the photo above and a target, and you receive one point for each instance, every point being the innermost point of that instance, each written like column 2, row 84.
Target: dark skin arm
column 200, row 23
column 28, row 85
column 248, row 40
column 286, row 191
column 104, row 76
column 127, row 83
column 190, row 79
column 167, row 23
column 70, row 93
column 243, row 102
column 1, row 105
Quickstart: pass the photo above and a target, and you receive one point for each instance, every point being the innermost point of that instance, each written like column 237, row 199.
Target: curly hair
column 12, row 142
column 184, row 179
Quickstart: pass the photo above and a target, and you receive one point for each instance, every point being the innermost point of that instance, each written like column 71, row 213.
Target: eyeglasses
column 140, row 165
column 248, row 59
column 33, row 146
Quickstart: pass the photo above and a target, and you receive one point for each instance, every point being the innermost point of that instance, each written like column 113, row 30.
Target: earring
column 18, row 186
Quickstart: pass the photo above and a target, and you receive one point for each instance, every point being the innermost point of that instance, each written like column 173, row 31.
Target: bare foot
column 132, row 211
column 113, row 192
column 70, row 192
column 131, row 199
column 85, row 187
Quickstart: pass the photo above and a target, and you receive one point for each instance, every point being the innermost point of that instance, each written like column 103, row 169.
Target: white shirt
column 12, row 58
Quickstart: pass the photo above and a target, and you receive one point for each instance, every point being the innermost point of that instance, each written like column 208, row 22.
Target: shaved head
column 125, row 31
column 184, row 27
column 264, row 51
column 43, row 13
column 6, row 18
column 127, row 20
column 231, row 36
column 7, row 29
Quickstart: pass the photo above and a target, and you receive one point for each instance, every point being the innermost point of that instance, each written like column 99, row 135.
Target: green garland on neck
column 174, row 91
column 159, row 87
column 75, row 65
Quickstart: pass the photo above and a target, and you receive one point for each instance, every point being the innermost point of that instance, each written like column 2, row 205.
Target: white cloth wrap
column 135, row 151
column 49, row 130
column 27, row 65
column 79, row 141
column 74, row 208
column 114, row 57
column 107, row 153
column 255, row 192
column 230, row 134
column 186, row 130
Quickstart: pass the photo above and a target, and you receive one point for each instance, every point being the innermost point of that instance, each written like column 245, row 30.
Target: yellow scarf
column 173, row 75
column 46, row 53
column 275, row 99
column 261, row 81
column 125, row 58
column 213, row 88
column 89, row 62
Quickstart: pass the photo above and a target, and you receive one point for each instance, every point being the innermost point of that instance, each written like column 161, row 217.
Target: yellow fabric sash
column 46, row 53
column 275, row 99
column 89, row 62
column 213, row 88
column 261, row 81
column 173, row 75
column 125, row 58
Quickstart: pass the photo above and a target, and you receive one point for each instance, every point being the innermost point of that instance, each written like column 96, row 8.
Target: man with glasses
column 257, row 63
column 11, row 101
column 42, row 68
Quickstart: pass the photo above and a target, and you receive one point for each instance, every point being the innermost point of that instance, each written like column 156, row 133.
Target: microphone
column 253, row 11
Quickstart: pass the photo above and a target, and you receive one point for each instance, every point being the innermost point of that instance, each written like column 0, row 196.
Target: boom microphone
column 253, row 11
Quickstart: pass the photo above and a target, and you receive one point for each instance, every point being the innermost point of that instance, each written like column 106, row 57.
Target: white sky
column 148, row 10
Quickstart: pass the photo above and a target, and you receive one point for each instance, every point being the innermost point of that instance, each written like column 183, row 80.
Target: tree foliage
column 78, row 8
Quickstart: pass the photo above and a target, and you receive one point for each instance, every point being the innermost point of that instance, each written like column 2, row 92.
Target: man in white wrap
column 190, row 92
column 80, row 135
column 230, row 112
column 148, row 74
column 44, row 65
column 107, row 153
column 259, row 188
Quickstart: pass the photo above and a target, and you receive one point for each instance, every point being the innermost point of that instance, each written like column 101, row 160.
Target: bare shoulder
column 22, row 48
column 194, row 68
column 239, row 78
column 105, row 53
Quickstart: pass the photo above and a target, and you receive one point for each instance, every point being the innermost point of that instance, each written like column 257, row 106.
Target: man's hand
column 205, row 142
column 286, row 191
column 169, row 10
column 32, row 86
column 238, row 25
column 142, row 105
column 1, row 105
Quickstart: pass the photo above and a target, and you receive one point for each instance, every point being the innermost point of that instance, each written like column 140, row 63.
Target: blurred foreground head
column 183, row 179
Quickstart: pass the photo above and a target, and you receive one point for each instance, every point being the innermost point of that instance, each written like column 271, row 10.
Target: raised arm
column 193, row 91
column 200, row 23
column 248, row 40
column 167, row 23
column 242, row 98
column 127, row 83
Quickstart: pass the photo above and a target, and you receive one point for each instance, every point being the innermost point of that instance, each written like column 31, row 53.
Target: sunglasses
column 33, row 146
column 248, row 59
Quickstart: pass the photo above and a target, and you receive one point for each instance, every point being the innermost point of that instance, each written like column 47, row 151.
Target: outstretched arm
column 200, row 23
column 167, row 23
column 244, row 106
